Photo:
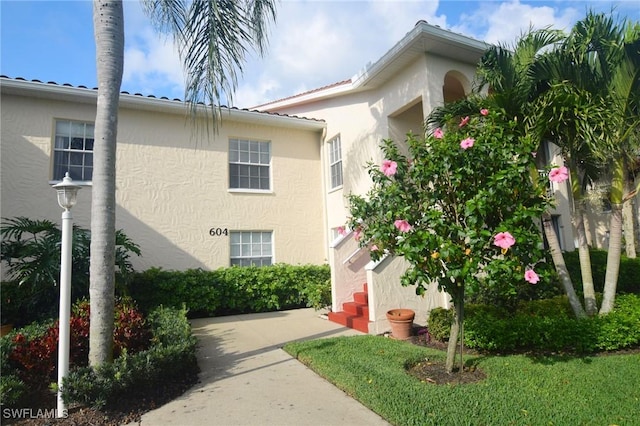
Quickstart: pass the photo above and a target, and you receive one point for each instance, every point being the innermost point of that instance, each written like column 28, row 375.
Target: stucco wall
column 172, row 185
column 386, row 293
column 362, row 121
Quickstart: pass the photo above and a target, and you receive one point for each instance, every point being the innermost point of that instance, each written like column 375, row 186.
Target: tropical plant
column 213, row 38
column 461, row 208
column 591, row 112
column 508, row 81
column 31, row 253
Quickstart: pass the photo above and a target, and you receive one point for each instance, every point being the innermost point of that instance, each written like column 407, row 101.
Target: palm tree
column 509, row 78
column 213, row 37
column 591, row 112
column 108, row 24
column 624, row 93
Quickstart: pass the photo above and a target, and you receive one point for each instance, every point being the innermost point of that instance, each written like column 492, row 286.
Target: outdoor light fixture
column 67, row 195
column 67, row 192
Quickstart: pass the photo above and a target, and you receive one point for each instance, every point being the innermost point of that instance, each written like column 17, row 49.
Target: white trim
column 250, row 191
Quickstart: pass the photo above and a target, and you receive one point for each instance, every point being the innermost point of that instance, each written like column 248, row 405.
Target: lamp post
column 67, row 193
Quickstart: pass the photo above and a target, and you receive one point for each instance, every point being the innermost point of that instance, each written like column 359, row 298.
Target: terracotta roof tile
column 53, row 83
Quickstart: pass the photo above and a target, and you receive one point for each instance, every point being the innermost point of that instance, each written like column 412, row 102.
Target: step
column 361, row 298
column 352, row 321
column 354, row 308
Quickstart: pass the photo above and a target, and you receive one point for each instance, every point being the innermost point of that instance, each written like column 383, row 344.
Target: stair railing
column 347, row 262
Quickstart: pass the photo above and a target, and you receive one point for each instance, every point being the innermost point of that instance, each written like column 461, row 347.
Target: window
column 251, row 248
column 335, row 162
column 73, row 150
column 249, row 164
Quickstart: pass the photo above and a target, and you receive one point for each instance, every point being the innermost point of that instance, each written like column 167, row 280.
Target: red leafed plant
column 36, row 358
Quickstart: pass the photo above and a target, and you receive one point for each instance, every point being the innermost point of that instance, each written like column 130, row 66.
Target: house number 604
column 218, row 232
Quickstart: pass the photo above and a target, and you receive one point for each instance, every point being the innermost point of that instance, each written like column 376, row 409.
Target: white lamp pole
column 67, row 193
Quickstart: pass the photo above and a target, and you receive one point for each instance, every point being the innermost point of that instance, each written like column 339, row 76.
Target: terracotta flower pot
column 401, row 321
column 5, row 329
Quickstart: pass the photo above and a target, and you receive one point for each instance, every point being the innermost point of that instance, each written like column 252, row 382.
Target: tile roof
column 318, row 89
column 53, row 83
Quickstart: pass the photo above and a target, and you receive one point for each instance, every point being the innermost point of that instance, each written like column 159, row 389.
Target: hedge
column 544, row 325
column 233, row 290
column 628, row 280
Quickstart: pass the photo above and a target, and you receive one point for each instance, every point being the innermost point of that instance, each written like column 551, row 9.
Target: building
column 248, row 193
column 269, row 186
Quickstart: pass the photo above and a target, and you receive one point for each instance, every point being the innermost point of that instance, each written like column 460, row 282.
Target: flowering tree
column 461, row 208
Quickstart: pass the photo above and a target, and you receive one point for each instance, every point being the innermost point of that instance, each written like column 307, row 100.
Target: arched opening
column 455, row 87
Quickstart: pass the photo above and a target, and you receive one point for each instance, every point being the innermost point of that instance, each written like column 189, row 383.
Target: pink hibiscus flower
column 438, row 133
column 464, row 121
column 558, row 174
column 389, row 167
column 467, row 143
column 504, row 240
column 484, row 112
column 402, row 225
column 531, row 277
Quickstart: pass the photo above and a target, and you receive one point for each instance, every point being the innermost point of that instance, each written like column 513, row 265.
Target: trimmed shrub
column 628, row 281
column 12, row 390
column 439, row 323
column 545, row 325
column 171, row 357
column 233, row 290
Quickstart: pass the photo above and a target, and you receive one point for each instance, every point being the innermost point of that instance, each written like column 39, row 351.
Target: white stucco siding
column 361, row 119
column 179, row 187
column 436, row 69
column 27, row 127
column 173, row 187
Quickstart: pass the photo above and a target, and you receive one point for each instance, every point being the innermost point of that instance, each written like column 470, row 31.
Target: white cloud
column 316, row 43
column 151, row 62
column 505, row 22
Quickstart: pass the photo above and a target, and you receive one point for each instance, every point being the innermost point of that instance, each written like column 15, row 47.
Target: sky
column 311, row 44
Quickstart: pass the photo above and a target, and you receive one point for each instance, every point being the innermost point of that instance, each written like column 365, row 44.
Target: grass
column 519, row 390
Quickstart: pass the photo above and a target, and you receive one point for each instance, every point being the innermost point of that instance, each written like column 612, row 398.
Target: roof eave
column 414, row 43
column 89, row 96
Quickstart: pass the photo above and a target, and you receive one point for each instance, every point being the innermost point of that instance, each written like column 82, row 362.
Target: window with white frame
column 73, row 150
column 249, row 164
column 251, row 248
column 335, row 162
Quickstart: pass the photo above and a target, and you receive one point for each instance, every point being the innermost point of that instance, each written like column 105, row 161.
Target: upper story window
column 73, row 150
column 251, row 248
column 335, row 162
column 249, row 164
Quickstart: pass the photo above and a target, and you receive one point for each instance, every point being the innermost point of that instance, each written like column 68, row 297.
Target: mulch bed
column 126, row 411
column 434, row 372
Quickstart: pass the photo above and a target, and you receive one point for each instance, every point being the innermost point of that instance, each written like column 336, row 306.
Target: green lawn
column 519, row 390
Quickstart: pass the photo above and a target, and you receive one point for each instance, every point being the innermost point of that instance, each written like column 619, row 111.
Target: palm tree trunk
column 615, row 239
column 577, row 218
column 588, row 290
column 108, row 21
column 628, row 222
column 560, row 265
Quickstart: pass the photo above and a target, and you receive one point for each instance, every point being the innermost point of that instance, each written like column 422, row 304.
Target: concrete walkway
column 247, row 379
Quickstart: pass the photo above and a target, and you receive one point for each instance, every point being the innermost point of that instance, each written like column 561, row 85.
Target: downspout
column 325, row 214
